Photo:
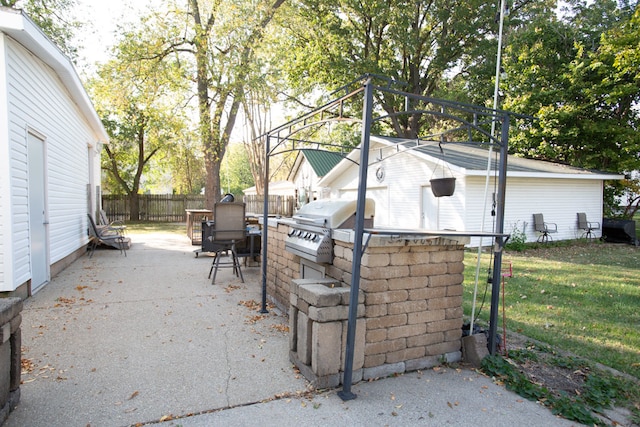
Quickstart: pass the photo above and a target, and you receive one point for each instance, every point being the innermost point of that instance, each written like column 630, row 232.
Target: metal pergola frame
column 470, row 118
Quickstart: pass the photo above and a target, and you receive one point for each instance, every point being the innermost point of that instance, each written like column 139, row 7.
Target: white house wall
column 305, row 182
column 399, row 196
column 5, row 189
column 38, row 101
column 452, row 210
column 559, row 200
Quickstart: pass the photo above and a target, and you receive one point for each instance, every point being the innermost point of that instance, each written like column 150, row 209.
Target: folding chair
column 116, row 225
column 105, row 236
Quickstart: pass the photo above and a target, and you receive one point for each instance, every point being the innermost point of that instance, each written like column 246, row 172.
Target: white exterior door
column 37, row 214
column 429, row 210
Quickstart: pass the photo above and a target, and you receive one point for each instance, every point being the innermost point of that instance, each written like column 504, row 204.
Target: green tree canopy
column 578, row 78
column 332, row 42
column 54, row 18
column 214, row 43
column 140, row 105
column 236, row 172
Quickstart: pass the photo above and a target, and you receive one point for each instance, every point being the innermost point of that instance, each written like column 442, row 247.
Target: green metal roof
column 322, row 161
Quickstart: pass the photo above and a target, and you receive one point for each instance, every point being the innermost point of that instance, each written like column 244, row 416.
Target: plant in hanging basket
column 442, row 187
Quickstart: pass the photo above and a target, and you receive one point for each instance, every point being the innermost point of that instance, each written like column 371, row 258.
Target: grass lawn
column 582, row 297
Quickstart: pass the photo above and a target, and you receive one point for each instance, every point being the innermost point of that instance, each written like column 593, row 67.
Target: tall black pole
column 345, row 393
column 265, row 225
column 502, row 174
column 497, row 260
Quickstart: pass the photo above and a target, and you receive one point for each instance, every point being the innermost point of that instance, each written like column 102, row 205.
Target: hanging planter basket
column 442, row 187
column 446, row 185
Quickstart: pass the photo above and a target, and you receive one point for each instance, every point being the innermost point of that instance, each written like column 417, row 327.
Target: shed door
column 37, row 214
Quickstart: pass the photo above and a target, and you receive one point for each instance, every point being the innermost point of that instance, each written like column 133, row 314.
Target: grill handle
column 309, row 221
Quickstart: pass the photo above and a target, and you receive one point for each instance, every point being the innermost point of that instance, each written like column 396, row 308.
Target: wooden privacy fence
column 278, row 205
column 171, row 207
column 153, row 207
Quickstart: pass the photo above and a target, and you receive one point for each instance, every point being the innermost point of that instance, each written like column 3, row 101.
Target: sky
column 101, row 19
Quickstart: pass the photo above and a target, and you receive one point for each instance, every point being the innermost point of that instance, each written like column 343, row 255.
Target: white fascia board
column 546, row 175
column 17, row 25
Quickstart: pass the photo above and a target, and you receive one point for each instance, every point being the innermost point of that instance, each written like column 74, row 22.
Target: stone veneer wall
column 282, row 266
column 10, row 355
column 413, row 301
column 413, row 296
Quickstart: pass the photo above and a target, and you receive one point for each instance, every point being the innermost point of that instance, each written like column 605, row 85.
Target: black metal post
column 265, row 225
column 497, row 260
column 345, row 393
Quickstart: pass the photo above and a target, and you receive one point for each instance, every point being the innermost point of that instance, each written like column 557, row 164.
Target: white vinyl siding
column 452, row 209
column 5, row 188
column 399, row 197
column 37, row 100
column 559, row 200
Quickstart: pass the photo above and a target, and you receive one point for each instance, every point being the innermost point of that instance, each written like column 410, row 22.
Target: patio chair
column 107, row 237
column 228, row 229
column 544, row 228
column 587, row 226
column 116, row 225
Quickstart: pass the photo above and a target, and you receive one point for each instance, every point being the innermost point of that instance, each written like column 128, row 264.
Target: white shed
column 277, row 188
column 310, row 166
column 399, row 182
column 50, row 143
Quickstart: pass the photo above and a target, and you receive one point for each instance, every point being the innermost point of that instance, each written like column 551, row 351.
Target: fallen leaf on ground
column 254, row 319
column 27, row 366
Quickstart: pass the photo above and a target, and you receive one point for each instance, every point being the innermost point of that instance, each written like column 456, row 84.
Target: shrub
column 518, row 239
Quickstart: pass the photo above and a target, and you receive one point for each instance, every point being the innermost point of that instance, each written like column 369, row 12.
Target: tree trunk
column 134, row 206
column 212, row 185
column 214, row 135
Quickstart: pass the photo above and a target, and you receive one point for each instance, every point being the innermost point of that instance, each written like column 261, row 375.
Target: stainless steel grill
column 310, row 236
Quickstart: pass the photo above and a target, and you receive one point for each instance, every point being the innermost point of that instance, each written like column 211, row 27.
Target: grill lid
column 332, row 213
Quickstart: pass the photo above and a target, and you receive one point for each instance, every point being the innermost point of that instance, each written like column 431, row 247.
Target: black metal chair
column 587, row 226
column 544, row 228
column 106, row 236
column 228, row 230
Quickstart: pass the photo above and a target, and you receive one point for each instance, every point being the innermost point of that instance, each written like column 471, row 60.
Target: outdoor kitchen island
column 409, row 308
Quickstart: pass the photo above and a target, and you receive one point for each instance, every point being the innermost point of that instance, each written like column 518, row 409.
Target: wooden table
column 194, row 221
